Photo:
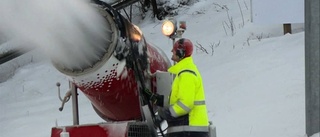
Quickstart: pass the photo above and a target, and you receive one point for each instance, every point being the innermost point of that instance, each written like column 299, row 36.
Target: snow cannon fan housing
column 106, row 76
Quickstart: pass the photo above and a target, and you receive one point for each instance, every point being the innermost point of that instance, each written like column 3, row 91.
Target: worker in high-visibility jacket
column 187, row 114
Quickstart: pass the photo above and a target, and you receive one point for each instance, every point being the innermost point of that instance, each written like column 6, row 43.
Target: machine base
column 118, row 129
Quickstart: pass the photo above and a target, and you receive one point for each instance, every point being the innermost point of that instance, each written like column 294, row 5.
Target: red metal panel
column 116, row 98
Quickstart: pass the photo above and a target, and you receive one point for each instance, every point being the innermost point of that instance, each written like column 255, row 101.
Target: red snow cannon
column 113, row 77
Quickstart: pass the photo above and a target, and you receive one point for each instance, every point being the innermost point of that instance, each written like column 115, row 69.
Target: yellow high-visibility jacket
column 187, row 97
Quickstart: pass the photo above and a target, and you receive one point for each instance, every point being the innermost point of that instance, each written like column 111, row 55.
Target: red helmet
column 183, row 48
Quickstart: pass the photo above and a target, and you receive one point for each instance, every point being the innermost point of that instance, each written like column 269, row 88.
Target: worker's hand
column 158, row 120
column 164, row 113
column 155, row 98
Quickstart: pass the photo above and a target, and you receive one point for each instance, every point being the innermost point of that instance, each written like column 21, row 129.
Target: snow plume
column 64, row 29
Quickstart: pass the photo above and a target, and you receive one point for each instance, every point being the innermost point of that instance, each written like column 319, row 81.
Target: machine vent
column 138, row 129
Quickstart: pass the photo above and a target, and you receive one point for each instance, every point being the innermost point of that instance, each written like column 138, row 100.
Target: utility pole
column 312, row 66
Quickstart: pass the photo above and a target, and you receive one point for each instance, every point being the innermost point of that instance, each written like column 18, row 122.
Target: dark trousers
column 183, row 120
column 188, row 134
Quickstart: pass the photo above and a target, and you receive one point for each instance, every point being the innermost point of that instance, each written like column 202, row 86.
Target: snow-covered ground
column 253, row 77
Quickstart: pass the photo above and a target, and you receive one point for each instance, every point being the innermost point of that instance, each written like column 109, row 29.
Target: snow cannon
column 115, row 76
column 114, row 73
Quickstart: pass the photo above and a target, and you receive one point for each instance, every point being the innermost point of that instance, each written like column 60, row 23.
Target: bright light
column 135, row 33
column 168, row 27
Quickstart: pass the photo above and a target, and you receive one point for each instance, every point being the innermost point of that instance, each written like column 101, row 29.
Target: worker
column 187, row 112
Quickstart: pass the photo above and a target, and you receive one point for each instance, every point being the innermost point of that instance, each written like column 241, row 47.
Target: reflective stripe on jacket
column 187, row 96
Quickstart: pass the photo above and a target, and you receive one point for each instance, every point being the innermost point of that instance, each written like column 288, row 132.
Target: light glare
column 168, row 28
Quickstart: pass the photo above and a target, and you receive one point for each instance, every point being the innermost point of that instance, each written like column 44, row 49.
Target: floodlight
column 169, row 27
